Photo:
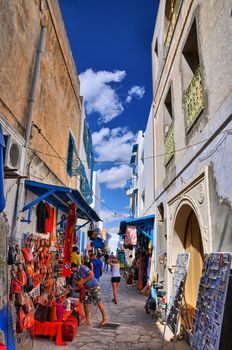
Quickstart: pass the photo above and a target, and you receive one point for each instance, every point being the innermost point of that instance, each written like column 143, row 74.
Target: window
column 172, row 9
column 160, row 212
column 142, row 161
column 71, row 153
column 192, row 83
column 143, row 200
column 168, row 127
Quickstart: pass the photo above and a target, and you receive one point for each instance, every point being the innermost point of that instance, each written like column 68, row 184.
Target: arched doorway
column 193, row 245
column 187, row 237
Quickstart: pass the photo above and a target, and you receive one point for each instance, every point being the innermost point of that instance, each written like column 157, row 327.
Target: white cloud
column 135, row 92
column 113, row 145
column 115, row 177
column 99, row 95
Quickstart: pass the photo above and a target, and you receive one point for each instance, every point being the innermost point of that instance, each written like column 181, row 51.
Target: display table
column 54, row 329
column 51, row 329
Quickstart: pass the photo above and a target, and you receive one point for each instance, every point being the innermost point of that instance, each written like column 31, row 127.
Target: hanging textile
column 42, row 215
column 2, row 196
column 69, row 239
column 131, row 235
column 53, row 232
column 49, row 220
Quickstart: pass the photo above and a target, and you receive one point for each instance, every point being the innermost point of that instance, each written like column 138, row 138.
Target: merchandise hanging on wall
column 2, row 196
column 207, row 323
column 175, row 302
column 131, row 236
column 69, row 239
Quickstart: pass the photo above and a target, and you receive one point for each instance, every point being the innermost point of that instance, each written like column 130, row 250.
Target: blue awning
column 144, row 224
column 2, row 196
column 60, row 197
column 99, row 243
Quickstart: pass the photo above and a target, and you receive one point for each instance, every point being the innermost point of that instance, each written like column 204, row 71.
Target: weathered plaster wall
column 58, row 106
column 209, row 135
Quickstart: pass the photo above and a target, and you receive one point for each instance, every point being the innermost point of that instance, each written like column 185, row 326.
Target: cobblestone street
column 136, row 329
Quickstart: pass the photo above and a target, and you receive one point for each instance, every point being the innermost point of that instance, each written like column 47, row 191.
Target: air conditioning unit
column 13, row 157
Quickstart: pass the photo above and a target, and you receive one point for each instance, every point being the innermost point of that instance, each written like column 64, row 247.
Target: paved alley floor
column 134, row 329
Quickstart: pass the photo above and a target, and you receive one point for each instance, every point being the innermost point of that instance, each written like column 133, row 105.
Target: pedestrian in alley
column 86, row 278
column 106, row 263
column 115, row 279
column 97, row 266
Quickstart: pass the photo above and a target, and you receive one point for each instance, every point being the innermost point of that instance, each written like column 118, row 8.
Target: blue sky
column 111, row 46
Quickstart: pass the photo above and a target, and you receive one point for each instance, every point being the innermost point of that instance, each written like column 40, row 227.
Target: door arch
column 193, row 245
column 187, row 238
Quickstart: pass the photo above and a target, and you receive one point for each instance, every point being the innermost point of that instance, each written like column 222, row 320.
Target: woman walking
column 115, row 279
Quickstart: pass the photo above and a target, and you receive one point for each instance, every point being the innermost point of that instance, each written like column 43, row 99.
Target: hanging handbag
column 42, row 312
column 15, row 287
column 27, row 253
column 29, row 285
column 52, row 313
column 30, row 268
column 20, row 318
column 11, row 255
column 21, row 275
column 20, row 298
column 60, row 311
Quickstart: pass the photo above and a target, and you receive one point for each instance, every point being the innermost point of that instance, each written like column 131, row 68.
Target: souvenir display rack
column 207, row 323
column 175, row 307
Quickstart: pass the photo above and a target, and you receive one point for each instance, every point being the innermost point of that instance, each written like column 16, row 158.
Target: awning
column 2, row 196
column 144, row 224
column 59, row 197
column 99, row 243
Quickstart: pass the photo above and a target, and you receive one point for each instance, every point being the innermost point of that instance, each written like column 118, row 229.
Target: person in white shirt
column 115, row 279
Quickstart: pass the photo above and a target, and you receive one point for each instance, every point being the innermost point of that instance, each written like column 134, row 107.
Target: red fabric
column 51, row 329
column 2, row 346
column 69, row 239
column 49, row 220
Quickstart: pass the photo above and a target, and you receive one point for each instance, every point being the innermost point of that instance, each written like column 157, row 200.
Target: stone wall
column 57, row 106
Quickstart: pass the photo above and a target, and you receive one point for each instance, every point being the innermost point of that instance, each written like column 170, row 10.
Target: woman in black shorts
column 115, row 279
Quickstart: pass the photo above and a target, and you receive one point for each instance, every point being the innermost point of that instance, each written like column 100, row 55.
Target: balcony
column 169, row 143
column 193, row 99
column 130, row 187
column 172, row 23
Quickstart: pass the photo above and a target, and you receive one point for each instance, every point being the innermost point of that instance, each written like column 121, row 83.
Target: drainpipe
column 31, row 103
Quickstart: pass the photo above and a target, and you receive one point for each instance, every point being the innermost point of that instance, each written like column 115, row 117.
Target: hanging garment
column 42, row 214
column 2, row 196
column 49, row 220
column 69, row 239
column 131, row 235
column 53, row 233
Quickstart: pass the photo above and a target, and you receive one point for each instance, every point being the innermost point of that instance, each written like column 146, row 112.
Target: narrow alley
column 129, row 328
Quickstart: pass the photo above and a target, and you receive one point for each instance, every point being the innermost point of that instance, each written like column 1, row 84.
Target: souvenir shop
column 138, row 235
column 40, row 304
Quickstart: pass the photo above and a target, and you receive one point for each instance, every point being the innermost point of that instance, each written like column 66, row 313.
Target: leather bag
column 42, row 313
column 27, row 254
column 69, row 329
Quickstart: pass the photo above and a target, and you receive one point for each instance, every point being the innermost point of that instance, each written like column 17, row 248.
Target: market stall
column 139, row 237
column 40, row 264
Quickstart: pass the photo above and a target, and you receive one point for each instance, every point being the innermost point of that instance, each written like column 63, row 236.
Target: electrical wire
column 65, row 164
column 224, row 137
column 151, row 157
column 115, row 162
